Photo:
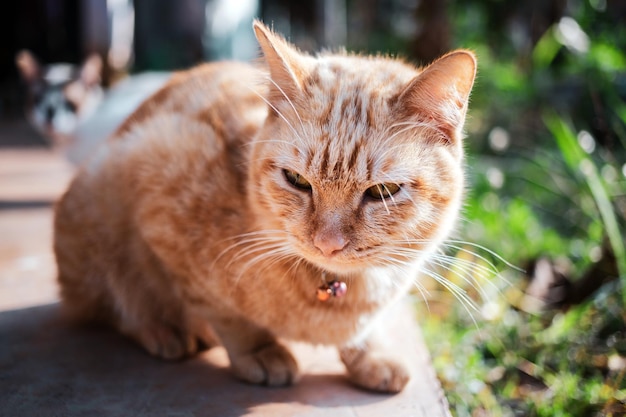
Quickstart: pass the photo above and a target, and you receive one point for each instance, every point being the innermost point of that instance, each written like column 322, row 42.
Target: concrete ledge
column 48, row 367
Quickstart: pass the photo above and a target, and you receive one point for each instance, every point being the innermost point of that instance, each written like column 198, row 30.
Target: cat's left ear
column 29, row 67
column 439, row 96
column 286, row 64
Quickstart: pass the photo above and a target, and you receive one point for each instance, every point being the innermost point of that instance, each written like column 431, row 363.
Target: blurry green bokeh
column 547, row 178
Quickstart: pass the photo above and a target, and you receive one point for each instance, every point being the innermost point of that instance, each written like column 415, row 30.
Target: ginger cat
column 235, row 193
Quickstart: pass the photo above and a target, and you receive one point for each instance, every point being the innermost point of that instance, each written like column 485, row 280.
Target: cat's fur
column 186, row 226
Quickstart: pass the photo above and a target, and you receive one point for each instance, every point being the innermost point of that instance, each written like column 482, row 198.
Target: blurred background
column 525, row 317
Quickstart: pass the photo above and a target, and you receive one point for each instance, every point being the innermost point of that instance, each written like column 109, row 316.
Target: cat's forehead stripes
column 335, row 153
column 349, row 113
column 355, row 90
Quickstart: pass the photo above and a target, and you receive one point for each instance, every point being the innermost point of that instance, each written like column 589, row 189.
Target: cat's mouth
column 357, row 259
column 351, row 259
column 345, row 262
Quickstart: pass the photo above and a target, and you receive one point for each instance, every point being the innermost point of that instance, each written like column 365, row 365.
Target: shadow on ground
column 48, row 367
column 18, row 132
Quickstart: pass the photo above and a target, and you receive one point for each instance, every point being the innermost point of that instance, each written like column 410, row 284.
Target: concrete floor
column 49, row 368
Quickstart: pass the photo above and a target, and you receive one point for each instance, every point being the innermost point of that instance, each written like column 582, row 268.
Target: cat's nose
column 329, row 243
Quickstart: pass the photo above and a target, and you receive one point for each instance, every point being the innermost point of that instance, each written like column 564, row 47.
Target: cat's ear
column 29, row 67
column 285, row 62
column 91, row 70
column 439, row 95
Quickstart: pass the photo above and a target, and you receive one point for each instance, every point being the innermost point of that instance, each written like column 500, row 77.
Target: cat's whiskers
column 287, row 99
column 463, row 268
column 245, row 238
column 396, row 262
column 459, row 293
column 404, row 193
column 295, row 132
column 288, row 255
column 475, row 269
column 474, row 274
column 262, row 232
column 465, row 273
column 396, row 254
column 285, row 142
column 274, row 255
column 294, row 267
column 265, row 245
column 482, row 271
column 449, row 243
column 453, row 244
column 391, row 255
column 401, row 174
column 399, row 278
column 244, row 257
column 384, row 150
column 285, row 160
column 415, row 125
column 467, row 270
column 384, row 200
column 423, row 291
column 393, row 200
column 248, row 248
column 245, row 164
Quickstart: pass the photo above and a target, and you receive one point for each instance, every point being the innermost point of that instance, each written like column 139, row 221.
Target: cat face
column 360, row 161
column 60, row 95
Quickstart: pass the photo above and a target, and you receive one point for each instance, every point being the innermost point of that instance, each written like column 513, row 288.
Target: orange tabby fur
column 184, row 227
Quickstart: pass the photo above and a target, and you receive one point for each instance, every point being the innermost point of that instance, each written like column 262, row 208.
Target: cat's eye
column 297, row 180
column 382, row 191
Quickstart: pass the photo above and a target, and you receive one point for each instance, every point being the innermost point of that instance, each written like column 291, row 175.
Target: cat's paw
column 376, row 372
column 271, row 365
column 165, row 342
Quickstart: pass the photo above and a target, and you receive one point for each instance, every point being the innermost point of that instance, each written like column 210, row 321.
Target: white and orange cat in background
column 246, row 205
column 70, row 108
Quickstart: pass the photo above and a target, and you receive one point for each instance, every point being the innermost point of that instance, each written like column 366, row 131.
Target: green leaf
column 546, row 49
column 579, row 161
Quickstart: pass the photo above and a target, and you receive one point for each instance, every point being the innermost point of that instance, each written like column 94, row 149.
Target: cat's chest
column 288, row 306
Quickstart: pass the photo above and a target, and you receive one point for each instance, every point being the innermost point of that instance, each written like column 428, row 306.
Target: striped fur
column 185, row 228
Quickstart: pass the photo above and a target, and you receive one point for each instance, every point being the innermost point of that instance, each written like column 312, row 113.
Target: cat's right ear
column 285, row 62
column 439, row 96
column 29, row 68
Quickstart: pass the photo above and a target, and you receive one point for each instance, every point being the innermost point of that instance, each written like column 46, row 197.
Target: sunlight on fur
column 238, row 192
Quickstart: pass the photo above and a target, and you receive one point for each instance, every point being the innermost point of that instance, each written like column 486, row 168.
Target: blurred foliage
column 547, row 174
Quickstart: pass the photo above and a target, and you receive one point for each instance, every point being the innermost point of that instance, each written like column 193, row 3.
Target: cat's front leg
column 255, row 355
column 371, row 365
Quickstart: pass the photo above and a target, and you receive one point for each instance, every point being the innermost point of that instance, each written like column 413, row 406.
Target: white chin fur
column 335, row 265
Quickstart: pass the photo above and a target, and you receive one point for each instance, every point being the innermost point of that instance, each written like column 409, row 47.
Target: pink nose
column 328, row 243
